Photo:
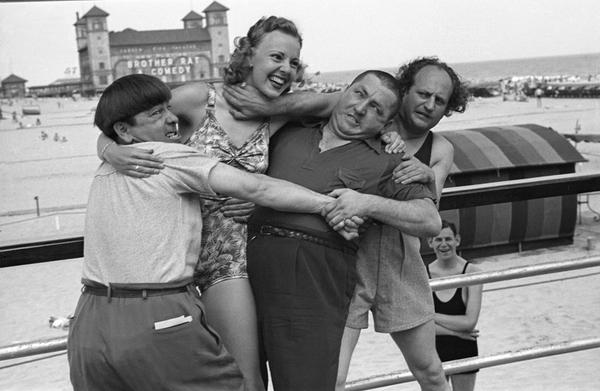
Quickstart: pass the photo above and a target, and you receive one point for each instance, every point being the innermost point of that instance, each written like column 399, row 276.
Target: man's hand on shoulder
column 393, row 142
column 411, row 170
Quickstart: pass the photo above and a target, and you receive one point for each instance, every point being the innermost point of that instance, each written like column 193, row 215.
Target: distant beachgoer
column 43, row 135
column 538, row 96
column 503, row 89
column 457, row 310
column 56, row 137
column 139, row 323
column 38, row 122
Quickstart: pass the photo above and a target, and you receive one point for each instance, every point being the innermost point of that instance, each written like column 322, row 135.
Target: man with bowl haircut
column 139, row 323
column 302, row 275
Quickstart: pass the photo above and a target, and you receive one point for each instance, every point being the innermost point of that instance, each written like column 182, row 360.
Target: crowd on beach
column 234, row 227
column 520, row 88
column 516, row 88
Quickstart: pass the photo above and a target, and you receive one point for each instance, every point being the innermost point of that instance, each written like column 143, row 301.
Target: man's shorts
column 392, row 282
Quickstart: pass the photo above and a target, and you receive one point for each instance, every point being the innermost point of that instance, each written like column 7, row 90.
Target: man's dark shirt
column 361, row 165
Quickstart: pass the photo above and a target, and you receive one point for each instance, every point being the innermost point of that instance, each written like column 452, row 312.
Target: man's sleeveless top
column 424, row 153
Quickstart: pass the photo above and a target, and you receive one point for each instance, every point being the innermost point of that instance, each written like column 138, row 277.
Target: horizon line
column 454, row 63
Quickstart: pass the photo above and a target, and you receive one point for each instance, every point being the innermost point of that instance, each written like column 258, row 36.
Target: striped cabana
column 491, row 154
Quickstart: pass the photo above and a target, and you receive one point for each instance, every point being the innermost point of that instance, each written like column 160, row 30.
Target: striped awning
column 493, row 148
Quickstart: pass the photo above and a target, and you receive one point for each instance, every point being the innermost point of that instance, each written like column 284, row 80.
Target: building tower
column 216, row 24
column 192, row 20
column 94, row 50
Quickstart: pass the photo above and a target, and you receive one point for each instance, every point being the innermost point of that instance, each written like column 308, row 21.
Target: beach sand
column 511, row 319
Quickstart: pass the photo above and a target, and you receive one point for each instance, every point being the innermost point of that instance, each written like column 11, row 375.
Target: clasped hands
column 347, row 213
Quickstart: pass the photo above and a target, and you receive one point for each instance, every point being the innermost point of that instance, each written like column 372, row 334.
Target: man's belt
column 335, row 243
column 133, row 290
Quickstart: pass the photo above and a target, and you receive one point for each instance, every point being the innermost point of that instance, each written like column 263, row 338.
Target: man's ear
column 430, row 242
column 457, row 238
column 122, row 130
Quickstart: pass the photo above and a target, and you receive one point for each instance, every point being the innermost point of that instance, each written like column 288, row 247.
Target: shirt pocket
column 351, row 179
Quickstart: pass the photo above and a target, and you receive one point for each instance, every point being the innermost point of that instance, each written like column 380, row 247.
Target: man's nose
column 361, row 107
column 430, row 103
column 172, row 118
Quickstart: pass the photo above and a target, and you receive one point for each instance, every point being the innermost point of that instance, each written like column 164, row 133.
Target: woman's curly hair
column 460, row 94
column 239, row 65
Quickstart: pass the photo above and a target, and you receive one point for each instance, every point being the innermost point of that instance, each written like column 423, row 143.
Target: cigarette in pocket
column 165, row 324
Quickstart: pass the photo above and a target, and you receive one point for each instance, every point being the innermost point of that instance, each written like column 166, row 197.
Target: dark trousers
column 302, row 292
column 113, row 346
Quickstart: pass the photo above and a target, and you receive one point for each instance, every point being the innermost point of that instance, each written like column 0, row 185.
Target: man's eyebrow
column 377, row 103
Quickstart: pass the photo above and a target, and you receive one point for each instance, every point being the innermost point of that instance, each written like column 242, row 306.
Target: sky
column 37, row 38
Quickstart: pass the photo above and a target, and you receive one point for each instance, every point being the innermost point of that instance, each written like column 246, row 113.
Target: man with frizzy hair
column 139, row 323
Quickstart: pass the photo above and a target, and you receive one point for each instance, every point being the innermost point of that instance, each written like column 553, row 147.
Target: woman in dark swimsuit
column 456, row 311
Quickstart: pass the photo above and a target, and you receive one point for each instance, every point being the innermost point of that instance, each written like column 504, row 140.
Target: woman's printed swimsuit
column 223, row 254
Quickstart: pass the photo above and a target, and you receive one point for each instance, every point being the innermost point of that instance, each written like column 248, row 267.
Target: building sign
column 71, row 71
column 159, row 66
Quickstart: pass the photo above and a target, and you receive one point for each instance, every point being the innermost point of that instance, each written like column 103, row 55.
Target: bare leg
column 349, row 340
column 231, row 312
column 418, row 347
column 463, row 381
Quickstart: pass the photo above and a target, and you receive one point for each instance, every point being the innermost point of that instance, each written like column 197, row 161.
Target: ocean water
column 582, row 65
